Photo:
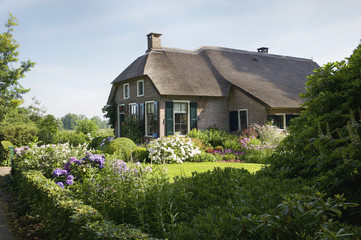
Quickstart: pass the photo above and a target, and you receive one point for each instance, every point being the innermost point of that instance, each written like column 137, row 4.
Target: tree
column 69, row 121
column 102, row 124
column 324, row 142
column 86, row 126
column 10, row 89
column 48, row 127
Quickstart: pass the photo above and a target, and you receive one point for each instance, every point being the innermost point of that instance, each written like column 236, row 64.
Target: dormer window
column 126, row 91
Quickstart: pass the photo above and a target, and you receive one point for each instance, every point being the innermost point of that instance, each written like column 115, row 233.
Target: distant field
column 186, row 169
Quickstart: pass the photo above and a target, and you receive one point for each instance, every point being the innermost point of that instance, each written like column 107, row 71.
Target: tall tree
column 69, row 121
column 10, row 89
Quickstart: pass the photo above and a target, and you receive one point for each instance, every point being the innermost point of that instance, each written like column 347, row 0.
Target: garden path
column 5, row 231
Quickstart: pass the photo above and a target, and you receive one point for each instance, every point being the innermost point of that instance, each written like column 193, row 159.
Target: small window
column 150, row 121
column 243, row 119
column 181, row 117
column 126, row 90
column 140, row 88
column 132, row 109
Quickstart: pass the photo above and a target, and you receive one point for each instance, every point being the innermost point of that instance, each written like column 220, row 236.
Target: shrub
column 211, row 137
column 100, row 143
column 203, row 157
column 172, row 149
column 5, row 152
column 140, row 154
column 269, row 134
column 72, row 137
column 46, row 157
column 125, row 145
column 63, row 217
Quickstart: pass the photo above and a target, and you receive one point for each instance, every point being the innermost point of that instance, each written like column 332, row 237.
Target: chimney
column 263, row 50
column 154, row 42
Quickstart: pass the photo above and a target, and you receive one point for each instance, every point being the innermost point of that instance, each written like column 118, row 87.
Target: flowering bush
column 75, row 168
column 228, row 155
column 173, row 149
column 46, row 157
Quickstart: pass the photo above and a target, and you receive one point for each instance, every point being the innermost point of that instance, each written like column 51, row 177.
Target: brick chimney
column 154, row 42
column 263, row 50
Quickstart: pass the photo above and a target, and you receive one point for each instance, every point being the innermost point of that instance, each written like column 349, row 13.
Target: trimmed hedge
column 125, row 145
column 64, row 217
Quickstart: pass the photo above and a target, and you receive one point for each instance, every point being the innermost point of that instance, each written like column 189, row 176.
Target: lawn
column 186, row 169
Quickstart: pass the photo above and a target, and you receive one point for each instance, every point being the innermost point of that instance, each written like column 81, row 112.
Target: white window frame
column 239, row 118
column 119, row 126
column 140, row 95
column 188, row 117
column 126, row 86
column 131, row 105
column 146, row 117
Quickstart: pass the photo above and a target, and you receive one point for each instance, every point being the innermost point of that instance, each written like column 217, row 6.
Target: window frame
column 132, row 106
column 118, row 118
column 188, row 116
column 146, row 118
column 239, row 118
column 140, row 81
column 126, row 86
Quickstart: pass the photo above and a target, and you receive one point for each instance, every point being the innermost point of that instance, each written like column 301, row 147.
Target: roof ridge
column 233, row 50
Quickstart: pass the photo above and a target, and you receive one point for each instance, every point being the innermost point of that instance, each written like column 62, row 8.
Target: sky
column 81, row 46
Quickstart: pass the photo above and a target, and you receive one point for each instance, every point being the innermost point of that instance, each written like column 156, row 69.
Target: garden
column 262, row 183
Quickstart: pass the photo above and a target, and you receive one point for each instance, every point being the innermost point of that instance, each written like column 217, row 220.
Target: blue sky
column 81, row 46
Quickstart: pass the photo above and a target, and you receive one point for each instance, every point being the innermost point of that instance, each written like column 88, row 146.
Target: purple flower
column 60, row 184
column 69, row 181
column 58, row 172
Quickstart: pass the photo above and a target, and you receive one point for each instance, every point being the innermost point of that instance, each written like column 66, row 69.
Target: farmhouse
column 170, row 90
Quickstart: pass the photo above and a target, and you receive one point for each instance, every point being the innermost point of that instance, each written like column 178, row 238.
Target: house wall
column 150, row 94
column 211, row 111
column 257, row 112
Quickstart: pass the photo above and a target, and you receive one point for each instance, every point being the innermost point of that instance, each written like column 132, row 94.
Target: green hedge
column 64, row 217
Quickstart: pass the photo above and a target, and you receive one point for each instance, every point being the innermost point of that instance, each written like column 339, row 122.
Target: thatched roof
column 275, row 80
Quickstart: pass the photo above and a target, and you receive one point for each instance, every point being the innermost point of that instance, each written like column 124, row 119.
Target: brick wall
column 257, row 112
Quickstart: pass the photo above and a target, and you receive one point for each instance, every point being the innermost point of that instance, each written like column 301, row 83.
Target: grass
column 186, row 169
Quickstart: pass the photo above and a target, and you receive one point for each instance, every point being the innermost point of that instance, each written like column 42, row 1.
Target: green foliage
column 211, row 137
column 48, row 128
column 323, row 144
column 63, row 217
column 204, row 157
column 10, row 89
column 124, row 145
column 19, row 133
column 69, row 121
column 5, row 152
column 72, row 137
column 45, row 158
column 110, row 112
column 140, row 154
column 232, row 143
column 131, row 129
column 86, row 126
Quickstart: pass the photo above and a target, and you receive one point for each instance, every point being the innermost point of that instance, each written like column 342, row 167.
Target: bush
column 63, row 217
column 203, row 157
column 5, row 152
column 100, row 142
column 211, row 137
column 172, row 149
column 46, row 157
column 72, row 137
column 140, row 154
column 125, row 145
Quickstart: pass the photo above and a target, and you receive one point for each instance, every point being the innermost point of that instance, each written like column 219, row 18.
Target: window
column 281, row 120
column 140, row 88
column 133, row 109
column 150, row 119
column 120, row 119
column 181, row 120
column 243, row 119
column 126, row 90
